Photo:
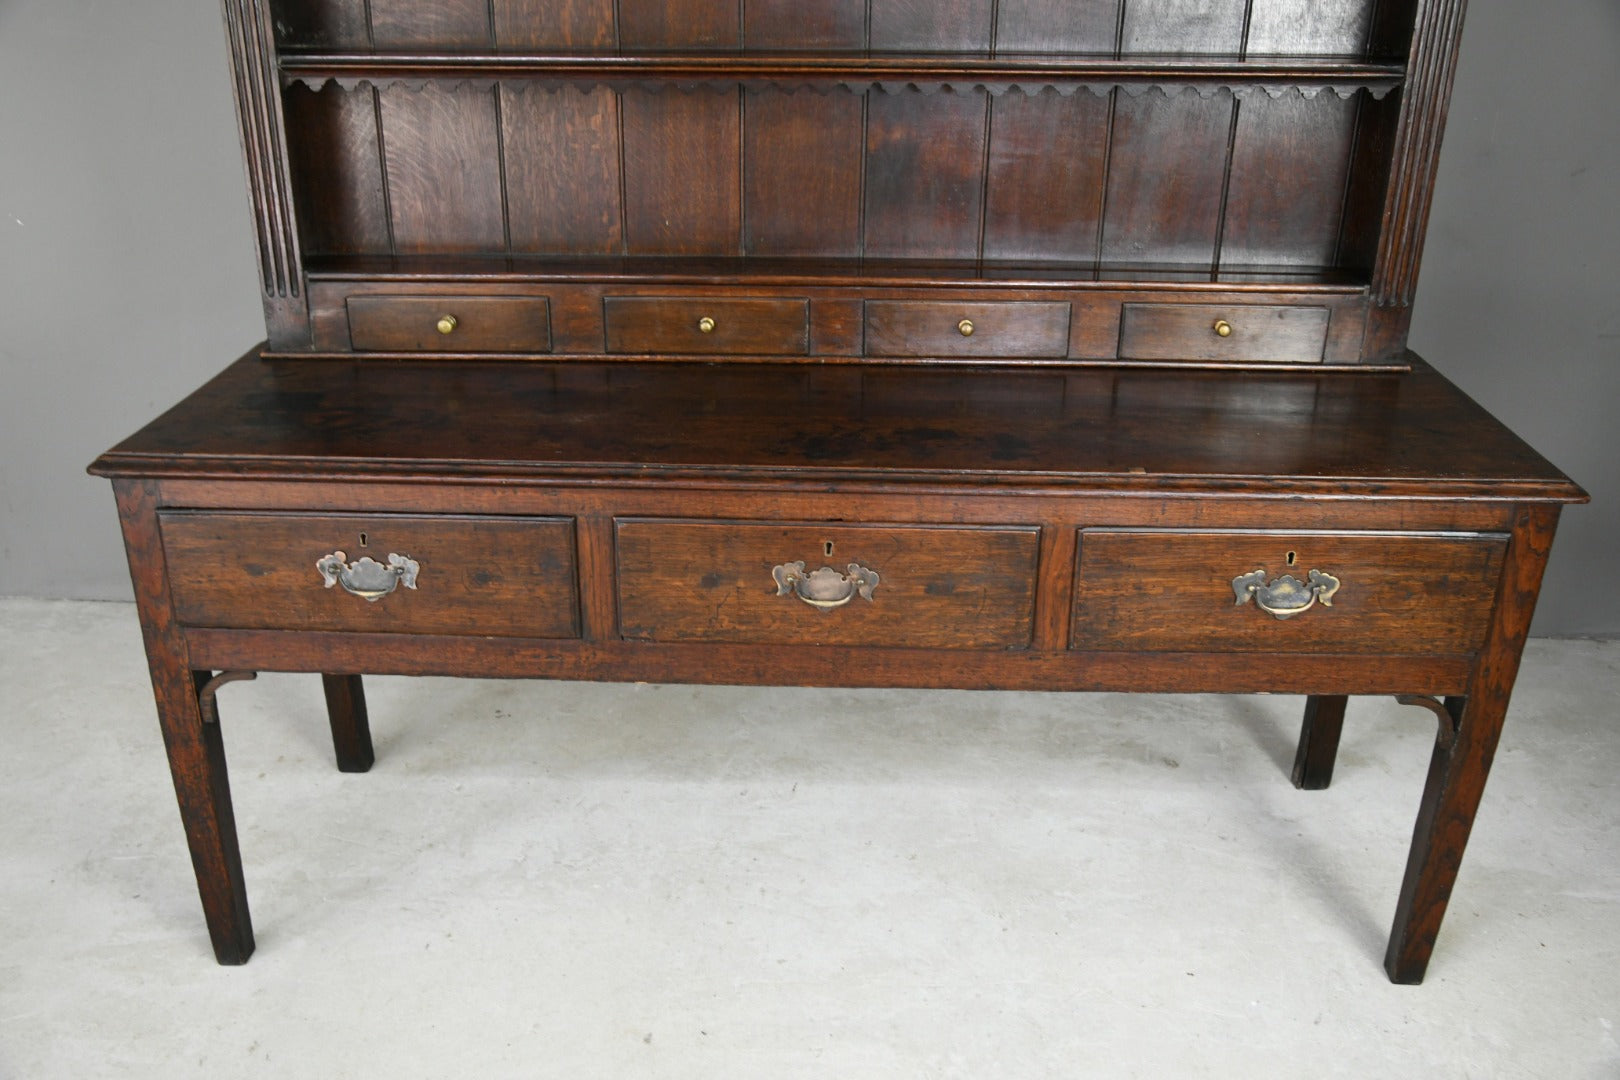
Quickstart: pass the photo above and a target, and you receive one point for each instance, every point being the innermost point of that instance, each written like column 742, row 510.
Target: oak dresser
column 991, row 344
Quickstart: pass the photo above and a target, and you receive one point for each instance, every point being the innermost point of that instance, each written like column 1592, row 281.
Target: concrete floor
column 566, row 880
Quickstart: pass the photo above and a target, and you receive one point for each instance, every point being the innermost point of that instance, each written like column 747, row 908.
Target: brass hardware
column 706, row 325
column 826, row 588
column 447, row 324
column 366, row 577
column 966, row 326
column 209, row 687
column 1287, row 596
column 1223, row 328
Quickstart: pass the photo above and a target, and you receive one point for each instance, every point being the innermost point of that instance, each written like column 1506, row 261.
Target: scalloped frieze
column 1064, row 88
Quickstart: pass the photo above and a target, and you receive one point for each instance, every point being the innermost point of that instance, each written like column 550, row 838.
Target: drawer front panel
column 949, row 587
column 483, row 576
column 1252, row 333
column 501, row 324
column 648, row 324
column 1397, row 594
column 933, row 328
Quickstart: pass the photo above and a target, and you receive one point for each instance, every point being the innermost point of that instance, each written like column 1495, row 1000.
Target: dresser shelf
column 968, row 28
column 782, row 270
column 1030, row 72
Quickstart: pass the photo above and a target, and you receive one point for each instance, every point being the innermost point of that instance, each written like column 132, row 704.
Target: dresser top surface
column 1112, row 428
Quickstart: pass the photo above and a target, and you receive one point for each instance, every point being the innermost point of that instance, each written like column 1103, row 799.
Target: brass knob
column 706, row 325
column 447, row 323
column 1223, row 328
column 966, row 326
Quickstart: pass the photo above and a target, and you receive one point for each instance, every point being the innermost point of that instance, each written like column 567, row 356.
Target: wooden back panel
column 1147, row 177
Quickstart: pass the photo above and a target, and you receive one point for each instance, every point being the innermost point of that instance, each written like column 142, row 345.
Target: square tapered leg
column 1319, row 741
column 351, row 730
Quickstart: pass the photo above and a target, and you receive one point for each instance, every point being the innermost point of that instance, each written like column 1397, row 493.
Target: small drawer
column 1239, row 333
column 482, row 576
column 1307, row 592
column 659, row 324
column 832, row 584
column 946, row 328
column 457, row 324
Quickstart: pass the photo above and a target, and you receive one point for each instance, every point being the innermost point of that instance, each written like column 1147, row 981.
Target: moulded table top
column 1100, row 428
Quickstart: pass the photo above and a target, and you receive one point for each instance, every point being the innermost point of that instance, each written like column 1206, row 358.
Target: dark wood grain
column 836, row 310
column 802, row 158
column 1148, row 431
column 1461, row 763
column 482, row 323
column 1392, row 27
column 444, row 24
column 1183, row 26
column 938, row 587
column 599, row 602
column 929, row 187
column 1415, row 155
column 924, row 174
column 679, row 24
column 682, row 172
column 965, row 501
column 196, row 750
column 1321, row 27
column 485, row 575
column 823, row 69
column 672, row 325
column 1165, row 177
column 565, row 25
column 351, row 726
column 1057, row 26
column 728, row 664
column 1268, row 334
column 1048, row 164
column 337, row 170
column 1272, row 221
column 1367, row 185
column 335, row 24
column 930, row 328
column 443, row 169
column 264, row 154
column 1172, row 592
column 1319, row 741
column 562, row 169
column 923, row 26
column 792, row 25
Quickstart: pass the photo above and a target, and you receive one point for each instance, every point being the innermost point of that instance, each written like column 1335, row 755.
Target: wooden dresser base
column 419, row 545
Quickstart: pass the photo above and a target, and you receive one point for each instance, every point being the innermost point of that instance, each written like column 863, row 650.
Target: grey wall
column 126, row 260
column 1519, row 301
column 126, row 267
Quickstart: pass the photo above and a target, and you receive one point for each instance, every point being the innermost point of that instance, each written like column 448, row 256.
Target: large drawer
column 675, row 324
column 502, row 576
column 935, row 586
column 1240, row 333
column 1396, row 593
column 500, row 324
column 950, row 328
